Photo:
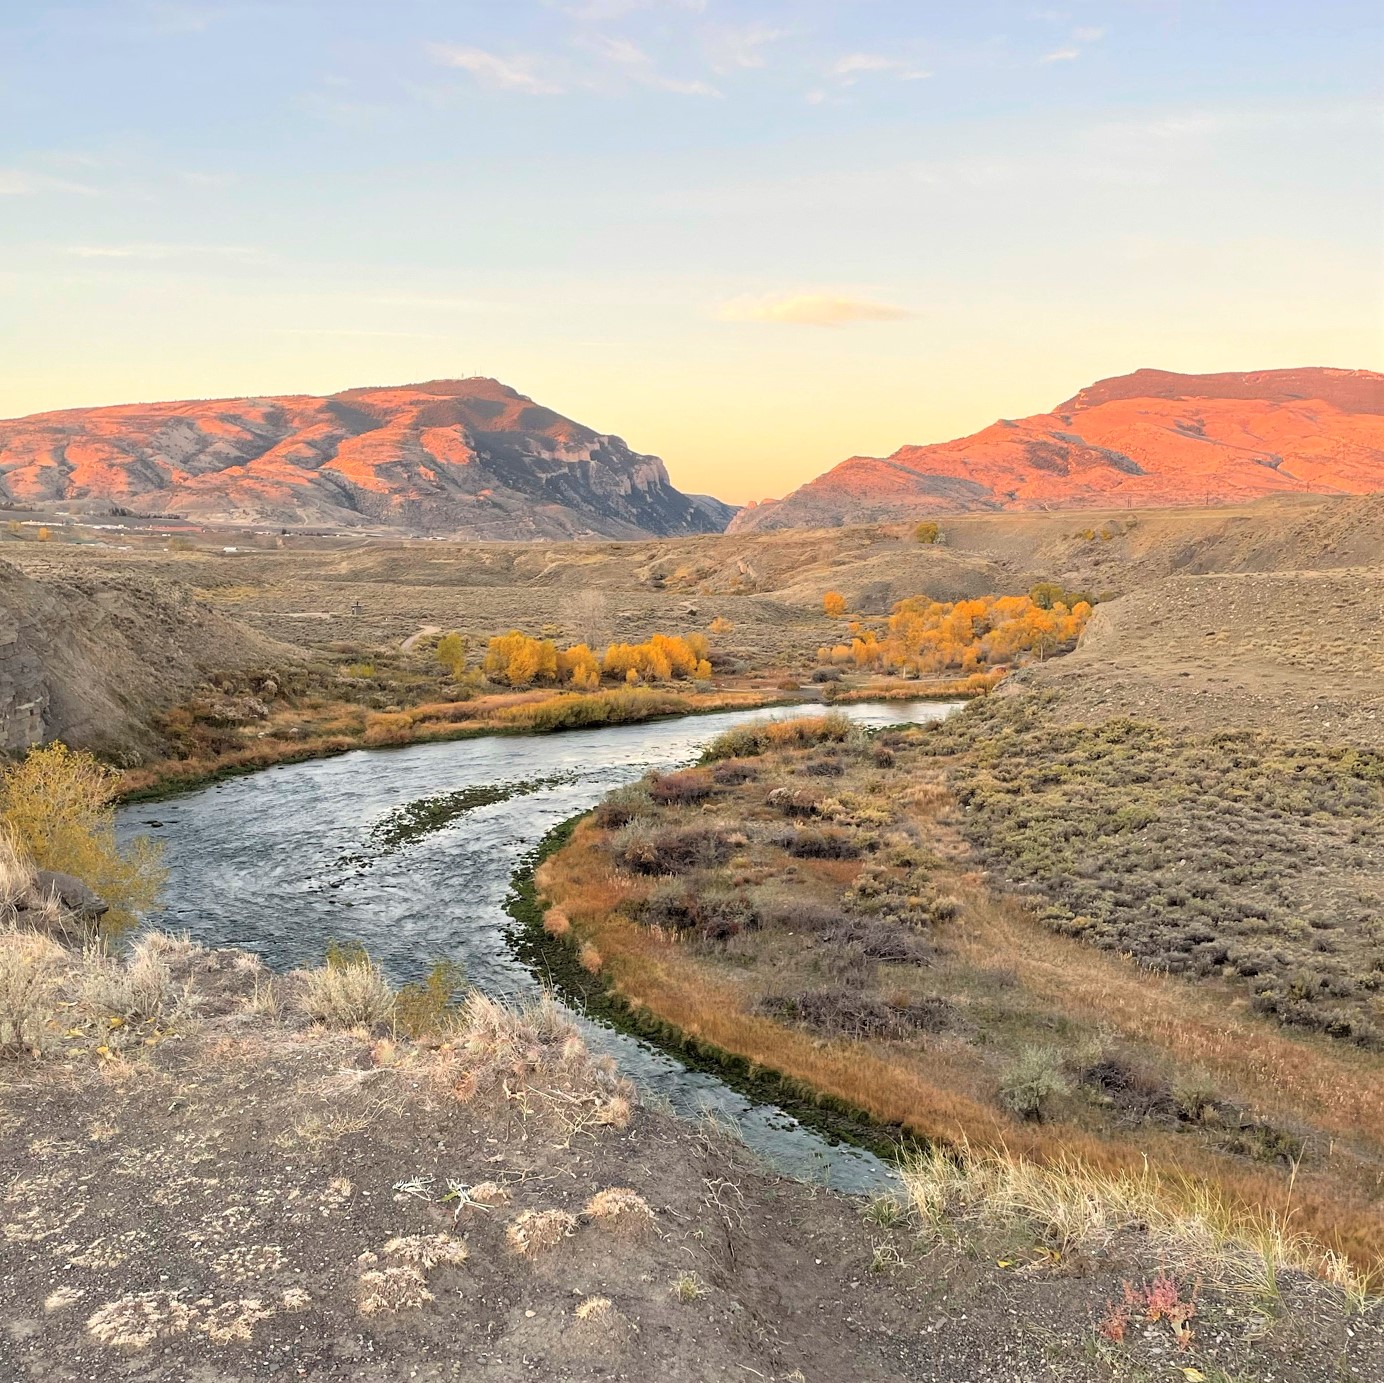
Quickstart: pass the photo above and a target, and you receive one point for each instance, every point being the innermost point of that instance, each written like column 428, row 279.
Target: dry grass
column 390, row 1290
column 620, row 1209
column 140, row 991
column 535, row 1232
column 593, row 1309
column 349, row 993
column 426, row 1251
column 31, row 974
column 1072, row 1205
column 534, row 1060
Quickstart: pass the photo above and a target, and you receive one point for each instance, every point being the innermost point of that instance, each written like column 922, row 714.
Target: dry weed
column 593, row 1309
column 347, row 995
column 392, row 1289
column 426, row 1251
column 137, row 1319
column 1071, row 1204
column 536, row 1061
column 31, row 969
column 138, row 992
column 489, row 1193
column 533, row 1232
column 621, row 1209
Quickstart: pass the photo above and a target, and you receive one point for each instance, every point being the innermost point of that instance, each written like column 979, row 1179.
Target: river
column 287, row 859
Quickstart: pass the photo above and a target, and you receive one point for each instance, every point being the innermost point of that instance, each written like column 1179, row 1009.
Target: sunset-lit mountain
column 468, row 456
column 1147, row 438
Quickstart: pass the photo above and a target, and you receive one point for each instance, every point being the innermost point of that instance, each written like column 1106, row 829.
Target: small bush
column 1034, row 1080
column 844, row 1011
column 624, row 805
column 621, row 1209
column 428, row 1007
column 349, row 991
column 138, row 992
column 819, row 843
column 688, row 785
column 58, row 803
column 672, row 849
column 711, row 915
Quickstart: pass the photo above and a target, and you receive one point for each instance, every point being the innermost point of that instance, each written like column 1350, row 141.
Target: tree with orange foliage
column 834, row 604
column 519, row 660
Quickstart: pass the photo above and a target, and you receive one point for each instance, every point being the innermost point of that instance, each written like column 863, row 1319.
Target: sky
column 754, row 237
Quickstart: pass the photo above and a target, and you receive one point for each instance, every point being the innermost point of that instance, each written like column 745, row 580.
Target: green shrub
column 1035, row 1079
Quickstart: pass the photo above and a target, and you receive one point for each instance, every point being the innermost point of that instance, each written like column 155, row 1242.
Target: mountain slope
column 470, row 457
column 1146, row 439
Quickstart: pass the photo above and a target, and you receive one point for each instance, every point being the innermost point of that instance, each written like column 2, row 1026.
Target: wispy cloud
column 638, row 66
column 20, row 182
column 810, row 310
column 732, row 48
column 856, row 65
column 517, row 73
column 600, row 11
column 1080, row 38
column 155, row 251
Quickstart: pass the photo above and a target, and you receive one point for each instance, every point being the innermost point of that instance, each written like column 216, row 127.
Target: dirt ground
column 1294, row 653
column 226, row 1195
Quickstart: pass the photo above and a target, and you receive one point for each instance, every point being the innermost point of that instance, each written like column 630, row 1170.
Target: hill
column 90, row 657
column 1148, row 439
column 469, row 457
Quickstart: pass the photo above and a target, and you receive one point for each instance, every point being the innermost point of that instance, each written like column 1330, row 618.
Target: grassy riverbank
column 806, row 902
column 515, row 713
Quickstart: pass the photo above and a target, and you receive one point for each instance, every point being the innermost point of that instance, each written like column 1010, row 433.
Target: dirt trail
column 421, row 633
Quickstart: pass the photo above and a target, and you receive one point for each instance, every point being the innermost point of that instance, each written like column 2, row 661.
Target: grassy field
column 816, row 906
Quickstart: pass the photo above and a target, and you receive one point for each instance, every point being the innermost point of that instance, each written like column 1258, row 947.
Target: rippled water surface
column 362, row 847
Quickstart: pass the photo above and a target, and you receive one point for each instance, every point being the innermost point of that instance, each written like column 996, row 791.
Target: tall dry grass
column 1070, row 1204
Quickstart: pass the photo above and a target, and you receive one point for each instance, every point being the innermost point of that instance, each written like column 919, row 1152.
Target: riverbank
column 249, row 1173
column 517, row 713
column 285, row 740
column 554, row 954
column 811, row 909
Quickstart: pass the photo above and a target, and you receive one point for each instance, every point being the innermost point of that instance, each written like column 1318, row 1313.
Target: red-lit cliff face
column 469, row 457
column 1151, row 438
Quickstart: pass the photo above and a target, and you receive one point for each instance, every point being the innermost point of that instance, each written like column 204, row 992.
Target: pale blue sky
column 754, row 237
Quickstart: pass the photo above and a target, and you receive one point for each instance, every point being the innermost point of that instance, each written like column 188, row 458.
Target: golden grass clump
column 535, row 1059
column 621, row 1209
column 350, row 991
column 137, row 1319
column 594, row 1309
column 1070, row 1204
column 392, row 1289
column 489, row 1193
column 534, row 1232
column 295, row 1299
column 31, row 972
column 426, row 1251
column 140, row 991
column 234, row 1320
